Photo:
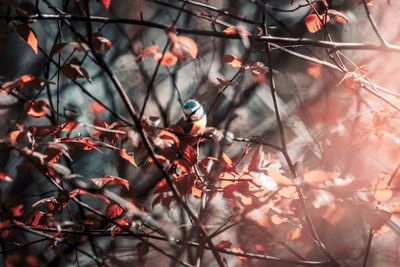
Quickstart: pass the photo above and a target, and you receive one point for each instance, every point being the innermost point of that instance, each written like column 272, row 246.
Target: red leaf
column 224, row 244
column 18, row 210
column 4, row 177
column 240, row 187
column 115, row 210
column 190, row 155
column 106, row 3
column 101, row 182
column 35, row 221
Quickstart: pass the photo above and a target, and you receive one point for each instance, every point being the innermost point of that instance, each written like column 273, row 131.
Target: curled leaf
column 38, row 109
column 128, row 156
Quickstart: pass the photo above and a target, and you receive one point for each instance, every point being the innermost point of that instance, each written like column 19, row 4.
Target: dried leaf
column 128, row 156
column 74, row 70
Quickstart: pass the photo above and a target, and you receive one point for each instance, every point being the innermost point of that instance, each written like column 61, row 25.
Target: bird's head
column 193, row 110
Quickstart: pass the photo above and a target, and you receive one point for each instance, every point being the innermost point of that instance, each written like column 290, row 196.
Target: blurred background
column 328, row 125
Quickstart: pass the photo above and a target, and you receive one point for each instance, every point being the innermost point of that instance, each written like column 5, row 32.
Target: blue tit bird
column 194, row 120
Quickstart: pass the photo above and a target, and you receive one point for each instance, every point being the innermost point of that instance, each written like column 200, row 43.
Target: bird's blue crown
column 191, row 105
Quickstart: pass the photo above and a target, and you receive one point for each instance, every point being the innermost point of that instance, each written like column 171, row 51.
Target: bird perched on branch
column 188, row 129
column 194, row 119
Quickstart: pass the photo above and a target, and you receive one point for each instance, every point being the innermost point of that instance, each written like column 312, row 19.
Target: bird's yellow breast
column 199, row 126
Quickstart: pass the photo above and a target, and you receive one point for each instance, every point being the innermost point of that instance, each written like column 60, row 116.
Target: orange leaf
column 97, row 107
column 313, row 23
column 115, row 210
column 294, row 234
column 38, row 109
column 14, row 136
column 233, row 61
column 128, row 156
column 196, row 192
column 69, row 126
column 29, row 36
column 148, row 51
column 235, row 30
column 169, row 59
column 314, row 70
